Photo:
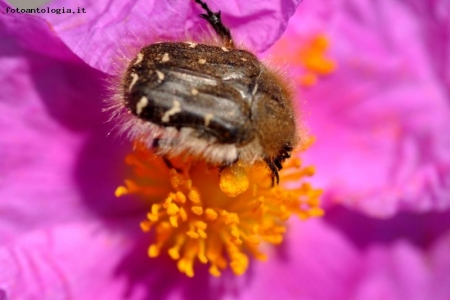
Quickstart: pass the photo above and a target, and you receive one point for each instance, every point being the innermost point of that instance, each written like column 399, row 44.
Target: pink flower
column 381, row 150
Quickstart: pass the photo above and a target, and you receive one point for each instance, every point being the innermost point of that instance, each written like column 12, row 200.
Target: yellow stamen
column 218, row 217
column 310, row 55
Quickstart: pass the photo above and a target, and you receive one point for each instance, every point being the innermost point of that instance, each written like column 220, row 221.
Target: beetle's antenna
column 216, row 23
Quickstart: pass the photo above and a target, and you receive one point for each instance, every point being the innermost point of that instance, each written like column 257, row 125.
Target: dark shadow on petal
column 283, row 251
column 158, row 275
column 162, row 277
column 419, row 229
column 73, row 93
column 100, row 169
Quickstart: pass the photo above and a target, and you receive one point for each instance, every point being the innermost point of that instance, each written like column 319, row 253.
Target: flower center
column 218, row 217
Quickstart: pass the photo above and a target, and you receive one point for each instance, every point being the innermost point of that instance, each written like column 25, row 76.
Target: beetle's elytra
column 214, row 101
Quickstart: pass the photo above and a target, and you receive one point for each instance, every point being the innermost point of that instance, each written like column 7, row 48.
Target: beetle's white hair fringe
column 171, row 141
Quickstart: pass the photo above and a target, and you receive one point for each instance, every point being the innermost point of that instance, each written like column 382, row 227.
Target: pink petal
column 71, row 261
column 381, row 119
column 109, row 29
column 52, row 140
column 348, row 255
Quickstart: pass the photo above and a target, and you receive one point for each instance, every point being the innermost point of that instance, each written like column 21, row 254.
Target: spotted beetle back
column 215, row 102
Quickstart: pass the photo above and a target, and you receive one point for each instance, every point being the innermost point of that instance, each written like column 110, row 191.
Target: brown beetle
column 216, row 102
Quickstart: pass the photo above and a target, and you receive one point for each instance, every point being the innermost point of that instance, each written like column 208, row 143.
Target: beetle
column 213, row 101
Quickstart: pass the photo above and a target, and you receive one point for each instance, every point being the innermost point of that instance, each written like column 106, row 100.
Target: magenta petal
column 351, row 256
column 109, row 28
column 316, row 263
column 381, row 119
column 50, row 119
column 71, row 261
column 440, row 260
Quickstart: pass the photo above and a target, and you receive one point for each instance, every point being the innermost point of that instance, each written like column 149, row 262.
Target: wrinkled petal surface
column 348, row 255
column 381, row 119
column 109, row 29
column 46, row 264
column 53, row 134
column 381, row 148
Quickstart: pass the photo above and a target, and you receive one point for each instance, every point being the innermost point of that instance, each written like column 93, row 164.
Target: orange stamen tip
column 316, row 212
column 233, row 180
column 311, row 56
column 212, row 216
column 153, row 251
column 320, row 42
column 172, row 209
column 180, row 197
column 120, row 191
column 198, row 210
column 310, row 170
column 174, row 253
column 145, row 226
column 308, row 79
column 214, row 271
column 193, row 235
column 194, row 196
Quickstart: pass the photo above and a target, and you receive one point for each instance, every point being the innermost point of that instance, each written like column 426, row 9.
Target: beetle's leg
column 170, row 165
column 275, row 165
column 155, row 143
column 274, row 170
column 216, row 23
column 167, row 162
